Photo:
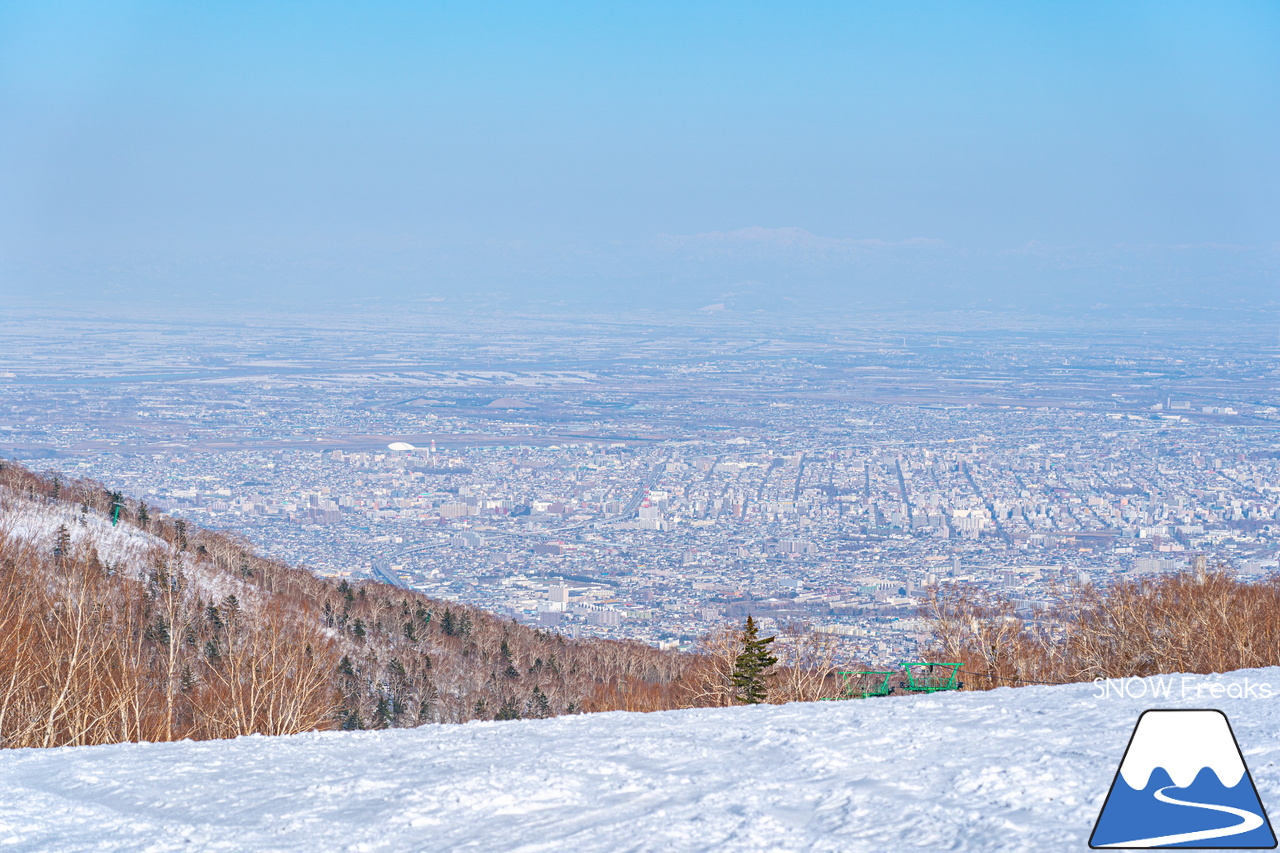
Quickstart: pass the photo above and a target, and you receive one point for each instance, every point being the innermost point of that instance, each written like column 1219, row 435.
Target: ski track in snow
column 1006, row 770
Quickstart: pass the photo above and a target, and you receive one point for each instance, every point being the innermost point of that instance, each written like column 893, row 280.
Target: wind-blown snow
column 1205, row 741
column 1012, row 770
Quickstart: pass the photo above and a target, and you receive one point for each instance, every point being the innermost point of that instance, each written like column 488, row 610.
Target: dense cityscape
column 654, row 480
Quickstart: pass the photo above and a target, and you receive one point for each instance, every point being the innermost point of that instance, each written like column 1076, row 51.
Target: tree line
column 1193, row 622
column 120, row 623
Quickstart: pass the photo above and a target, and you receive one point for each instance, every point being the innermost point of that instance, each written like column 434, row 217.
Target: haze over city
column 711, row 308
column 661, row 156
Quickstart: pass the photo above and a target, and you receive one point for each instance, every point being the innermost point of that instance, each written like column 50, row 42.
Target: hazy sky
column 643, row 153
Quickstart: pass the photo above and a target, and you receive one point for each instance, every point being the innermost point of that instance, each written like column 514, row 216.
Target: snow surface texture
column 1015, row 770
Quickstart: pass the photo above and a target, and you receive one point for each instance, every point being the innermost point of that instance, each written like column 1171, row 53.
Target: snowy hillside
column 1015, row 770
column 28, row 522
column 160, row 630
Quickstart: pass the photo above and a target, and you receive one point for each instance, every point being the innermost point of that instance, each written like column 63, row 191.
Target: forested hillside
column 152, row 629
column 1139, row 626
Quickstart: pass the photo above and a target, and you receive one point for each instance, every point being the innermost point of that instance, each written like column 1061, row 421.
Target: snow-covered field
column 1017, row 770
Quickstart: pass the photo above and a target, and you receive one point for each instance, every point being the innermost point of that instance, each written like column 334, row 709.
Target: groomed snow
column 1013, row 770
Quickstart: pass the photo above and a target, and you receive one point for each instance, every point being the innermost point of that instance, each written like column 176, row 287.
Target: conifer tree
column 750, row 665
column 511, row 672
column 539, row 705
column 61, row 544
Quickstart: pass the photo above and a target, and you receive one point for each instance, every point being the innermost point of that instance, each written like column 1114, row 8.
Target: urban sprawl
column 656, row 481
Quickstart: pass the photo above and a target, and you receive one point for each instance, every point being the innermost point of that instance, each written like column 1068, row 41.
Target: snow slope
column 1024, row 769
column 23, row 521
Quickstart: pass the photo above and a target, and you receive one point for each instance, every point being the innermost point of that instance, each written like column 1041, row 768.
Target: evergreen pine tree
column 750, row 665
column 511, row 672
column 384, row 714
column 539, row 705
column 61, row 544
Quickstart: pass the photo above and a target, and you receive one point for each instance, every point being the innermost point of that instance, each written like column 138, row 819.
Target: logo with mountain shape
column 1183, row 783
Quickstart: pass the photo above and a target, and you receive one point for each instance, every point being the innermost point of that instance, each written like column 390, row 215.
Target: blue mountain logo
column 1183, row 783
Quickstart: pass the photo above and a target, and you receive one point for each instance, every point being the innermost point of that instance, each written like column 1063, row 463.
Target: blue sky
column 657, row 153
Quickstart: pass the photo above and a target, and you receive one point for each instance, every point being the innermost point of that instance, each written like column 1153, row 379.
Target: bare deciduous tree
column 807, row 665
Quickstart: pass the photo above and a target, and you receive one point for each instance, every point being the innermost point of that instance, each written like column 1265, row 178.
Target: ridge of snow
column 1005, row 770
column 1203, row 739
column 35, row 522
column 132, row 550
